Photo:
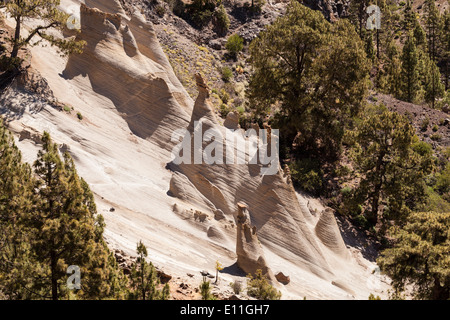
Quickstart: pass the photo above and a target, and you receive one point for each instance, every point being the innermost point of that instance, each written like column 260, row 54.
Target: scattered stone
column 163, row 277
column 282, row 278
column 112, row 209
column 204, row 273
column 215, row 44
column 218, row 214
column 184, row 286
column 200, row 216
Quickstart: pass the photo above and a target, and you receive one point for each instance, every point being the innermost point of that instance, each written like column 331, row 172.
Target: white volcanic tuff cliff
column 271, row 201
column 132, row 103
column 149, row 98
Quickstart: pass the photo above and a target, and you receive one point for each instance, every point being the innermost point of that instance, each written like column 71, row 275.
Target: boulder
column 215, row 44
column 282, row 278
column 232, row 120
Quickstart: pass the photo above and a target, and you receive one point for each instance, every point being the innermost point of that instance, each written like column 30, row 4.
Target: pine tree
column 419, row 35
column 145, row 280
column 66, row 229
column 369, row 45
column 445, row 44
column 48, row 222
column 389, row 26
column 315, row 73
column 433, row 86
column 393, row 71
column 409, row 18
column 46, row 10
column 16, row 202
column 432, row 26
column 420, row 256
column 410, row 74
column 205, row 290
column 392, row 165
column 358, row 15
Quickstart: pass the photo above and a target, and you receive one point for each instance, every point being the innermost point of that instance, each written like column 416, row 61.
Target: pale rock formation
column 276, row 213
column 232, row 120
column 149, row 98
column 250, row 255
column 328, row 232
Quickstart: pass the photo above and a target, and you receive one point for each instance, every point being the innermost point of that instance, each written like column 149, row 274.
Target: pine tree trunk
column 373, row 218
column 378, row 44
column 142, row 278
column 439, row 292
column 15, row 49
column 432, row 90
column 53, row 275
column 361, row 18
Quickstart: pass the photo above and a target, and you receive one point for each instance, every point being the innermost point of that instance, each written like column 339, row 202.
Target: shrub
column 307, row 175
column 160, row 10
column 342, row 171
column 257, row 6
column 349, row 203
column 435, row 128
column 235, row 44
column 227, row 74
column 424, row 124
column 259, row 288
column 201, row 11
column 222, row 21
column 346, row 191
column 443, row 180
column 372, row 297
column 205, row 290
column 236, row 286
column 80, row 116
column 224, row 110
column 224, row 96
column 422, row 148
column 361, row 221
column 240, row 109
column 436, row 137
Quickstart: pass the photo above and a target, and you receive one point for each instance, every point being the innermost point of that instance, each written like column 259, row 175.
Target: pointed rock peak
column 242, row 213
column 202, row 107
column 108, row 6
column 86, row 13
column 327, row 230
column 201, row 84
